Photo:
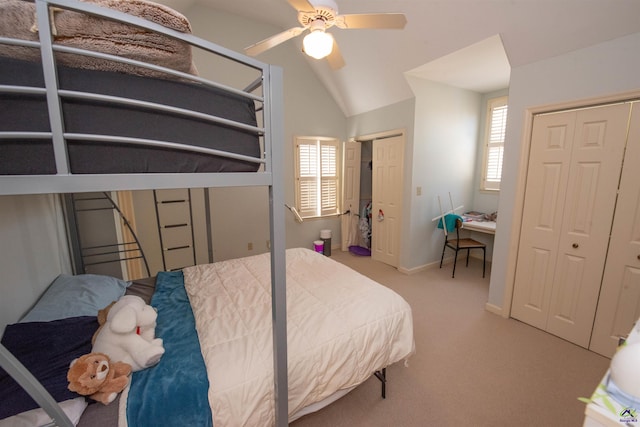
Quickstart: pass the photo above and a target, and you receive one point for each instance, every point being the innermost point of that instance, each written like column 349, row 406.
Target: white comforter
column 341, row 327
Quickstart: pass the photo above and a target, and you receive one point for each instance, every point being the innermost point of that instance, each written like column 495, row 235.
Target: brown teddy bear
column 94, row 375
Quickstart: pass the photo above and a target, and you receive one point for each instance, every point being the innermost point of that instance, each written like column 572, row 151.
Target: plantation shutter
column 307, row 179
column 329, row 178
column 317, row 176
column 495, row 143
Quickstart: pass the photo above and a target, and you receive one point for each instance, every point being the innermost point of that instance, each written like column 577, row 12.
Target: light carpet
column 471, row 367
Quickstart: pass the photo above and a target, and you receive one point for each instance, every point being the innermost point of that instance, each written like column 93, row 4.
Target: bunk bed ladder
column 93, row 247
column 174, row 215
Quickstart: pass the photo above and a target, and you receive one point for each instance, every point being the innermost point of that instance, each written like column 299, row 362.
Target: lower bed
column 341, row 328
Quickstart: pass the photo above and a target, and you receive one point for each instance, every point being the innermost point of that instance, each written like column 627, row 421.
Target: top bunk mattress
column 29, row 113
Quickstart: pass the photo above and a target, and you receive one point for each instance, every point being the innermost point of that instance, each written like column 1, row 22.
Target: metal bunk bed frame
column 85, row 257
column 271, row 82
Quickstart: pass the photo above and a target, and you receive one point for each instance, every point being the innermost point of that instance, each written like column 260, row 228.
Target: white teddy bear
column 128, row 334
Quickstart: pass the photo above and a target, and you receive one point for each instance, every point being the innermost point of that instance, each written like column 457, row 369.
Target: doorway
column 378, row 184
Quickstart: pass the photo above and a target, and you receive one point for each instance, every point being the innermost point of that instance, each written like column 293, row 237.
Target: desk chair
column 458, row 244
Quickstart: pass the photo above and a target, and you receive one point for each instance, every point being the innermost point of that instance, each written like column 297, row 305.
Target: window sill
column 489, row 191
column 314, row 218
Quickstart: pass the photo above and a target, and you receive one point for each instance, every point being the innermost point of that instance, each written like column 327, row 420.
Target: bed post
column 50, row 74
column 274, row 146
column 31, row 385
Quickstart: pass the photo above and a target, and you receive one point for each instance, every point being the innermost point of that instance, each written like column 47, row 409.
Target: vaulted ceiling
column 466, row 43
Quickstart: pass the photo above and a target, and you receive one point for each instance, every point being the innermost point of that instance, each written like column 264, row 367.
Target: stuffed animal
column 128, row 334
column 94, row 375
column 102, row 319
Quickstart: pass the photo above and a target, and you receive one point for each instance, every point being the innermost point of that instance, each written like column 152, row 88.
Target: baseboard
column 414, row 270
column 492, row 308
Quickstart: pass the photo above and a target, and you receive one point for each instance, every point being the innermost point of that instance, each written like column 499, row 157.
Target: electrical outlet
column 250, row 246
column 418, row 191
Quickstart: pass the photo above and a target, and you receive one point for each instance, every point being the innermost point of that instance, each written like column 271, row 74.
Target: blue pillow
column 73, row 296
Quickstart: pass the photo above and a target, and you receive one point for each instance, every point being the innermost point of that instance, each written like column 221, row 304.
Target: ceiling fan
column 317, row 16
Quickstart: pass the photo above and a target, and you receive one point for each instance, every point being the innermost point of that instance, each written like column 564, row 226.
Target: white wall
column 442, row 124
column 601, row 70
column 32, row 254
column 444, row 157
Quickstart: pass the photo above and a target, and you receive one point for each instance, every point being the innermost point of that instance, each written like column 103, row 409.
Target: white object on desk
column 603, row 410
column 488, row 227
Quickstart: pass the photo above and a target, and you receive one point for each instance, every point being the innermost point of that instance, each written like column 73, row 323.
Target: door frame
column 521, row 181
column 399, row 132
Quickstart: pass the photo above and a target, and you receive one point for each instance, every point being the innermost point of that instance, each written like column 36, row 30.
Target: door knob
column 575, row 246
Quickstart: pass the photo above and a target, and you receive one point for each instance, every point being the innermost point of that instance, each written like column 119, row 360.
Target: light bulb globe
column 318, row 44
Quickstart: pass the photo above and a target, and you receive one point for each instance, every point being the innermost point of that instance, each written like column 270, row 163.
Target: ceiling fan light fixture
column 318, row 44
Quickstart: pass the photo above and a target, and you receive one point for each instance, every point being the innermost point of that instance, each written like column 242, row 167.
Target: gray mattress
column 35, row 157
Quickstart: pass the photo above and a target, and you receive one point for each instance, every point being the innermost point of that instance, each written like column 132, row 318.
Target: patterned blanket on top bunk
column 97, row 34
column 216, row 329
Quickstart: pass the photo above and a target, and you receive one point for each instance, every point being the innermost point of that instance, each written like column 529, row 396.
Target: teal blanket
column 173, row 392
column 449, row 221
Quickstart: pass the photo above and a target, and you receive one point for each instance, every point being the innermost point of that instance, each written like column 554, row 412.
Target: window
column 494, row 143
column 317, row 176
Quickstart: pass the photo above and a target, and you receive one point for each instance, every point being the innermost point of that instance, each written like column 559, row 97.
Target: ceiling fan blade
column 302, row 6
column 335, row 59
column 273, row 41
column 372, row 20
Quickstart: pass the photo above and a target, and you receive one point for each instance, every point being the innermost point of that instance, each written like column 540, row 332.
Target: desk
column 488, row 227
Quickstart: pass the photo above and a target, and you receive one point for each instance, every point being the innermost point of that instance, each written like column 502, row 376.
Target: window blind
column 317, row 176
column 494, row 150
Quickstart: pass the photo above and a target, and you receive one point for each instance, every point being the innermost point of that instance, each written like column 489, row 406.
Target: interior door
column 549, row 159
column 598, row 150
column 619, row 303
column 387, row 182
column 560, row 279
column 350, row 192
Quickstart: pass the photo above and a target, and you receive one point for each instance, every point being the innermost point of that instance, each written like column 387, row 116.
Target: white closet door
column 386, row 221
column 350, row 191
column 619, row 303
column 573, row 177
column 597, row 154
column 549, row 160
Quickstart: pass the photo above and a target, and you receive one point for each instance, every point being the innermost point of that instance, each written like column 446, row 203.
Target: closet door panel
column 351, row 170
column 547, row 178
column 596, row 160
column 388, row 158
column 619, row 303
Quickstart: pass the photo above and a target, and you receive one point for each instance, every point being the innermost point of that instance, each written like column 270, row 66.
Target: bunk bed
column 71, row 123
